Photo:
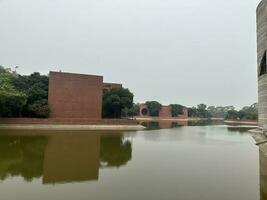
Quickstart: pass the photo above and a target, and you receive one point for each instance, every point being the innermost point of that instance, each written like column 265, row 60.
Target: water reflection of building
column 163, row 124
column 62, row 158
column 71, row 158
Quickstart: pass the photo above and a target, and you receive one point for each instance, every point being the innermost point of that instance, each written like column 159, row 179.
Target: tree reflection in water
column 115, row 151
column 60, row 157
column 22, row 156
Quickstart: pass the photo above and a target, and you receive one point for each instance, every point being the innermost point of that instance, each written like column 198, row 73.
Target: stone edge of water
column 261, row 139
column 72, row 127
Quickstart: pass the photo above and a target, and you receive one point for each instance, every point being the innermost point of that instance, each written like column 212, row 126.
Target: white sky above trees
column 173, row 51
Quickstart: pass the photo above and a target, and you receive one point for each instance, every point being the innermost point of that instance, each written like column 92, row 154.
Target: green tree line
column 225, row 112
column 117, row 102
column 23, row 96
column 154, row 108
column 27, row 96
column 246, row 113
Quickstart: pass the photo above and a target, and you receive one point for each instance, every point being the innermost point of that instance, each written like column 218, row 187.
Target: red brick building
column 75, row 95
column 143, row 110
column 109, row 86
column 185, row 114
column 165, row 112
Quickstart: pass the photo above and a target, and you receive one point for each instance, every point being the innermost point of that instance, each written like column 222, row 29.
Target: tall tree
column 2, row 69
column 36, row 88
column 154, row 108
column 176, row 110
column 11, row 100
column 116, row 100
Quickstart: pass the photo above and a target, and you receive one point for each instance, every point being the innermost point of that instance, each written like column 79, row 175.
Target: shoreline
column 69, row 124
column 240, row 122
column 71, row 127
column 148, row 119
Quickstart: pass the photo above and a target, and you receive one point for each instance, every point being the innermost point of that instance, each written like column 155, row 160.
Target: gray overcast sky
column 173, row 51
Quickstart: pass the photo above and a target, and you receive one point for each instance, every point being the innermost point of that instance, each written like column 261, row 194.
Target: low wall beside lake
column 67, row 121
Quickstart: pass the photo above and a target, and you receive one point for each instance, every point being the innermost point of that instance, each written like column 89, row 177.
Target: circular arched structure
column 143, row 110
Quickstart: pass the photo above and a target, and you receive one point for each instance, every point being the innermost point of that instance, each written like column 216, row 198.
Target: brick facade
column 75, row 95
column 165, row 112
column 185, row 114
column 109, row 86
column 143, row 110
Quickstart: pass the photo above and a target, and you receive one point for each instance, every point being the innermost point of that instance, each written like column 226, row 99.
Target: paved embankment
column 240, row 122
column 69, row 124
column 71, row 127
column 260, row 139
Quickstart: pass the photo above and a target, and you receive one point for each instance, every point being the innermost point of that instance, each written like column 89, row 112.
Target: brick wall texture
column 165, row 112
column 109, row 86
column 75, row 95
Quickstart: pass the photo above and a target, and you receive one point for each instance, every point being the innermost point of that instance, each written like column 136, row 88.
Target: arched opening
column 263, row 69
column 144, row 111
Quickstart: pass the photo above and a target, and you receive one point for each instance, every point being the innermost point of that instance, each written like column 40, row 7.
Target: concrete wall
column 262, row 105
column 75, row 95
column 261, row 48
column 261, row 30
column 263, row 174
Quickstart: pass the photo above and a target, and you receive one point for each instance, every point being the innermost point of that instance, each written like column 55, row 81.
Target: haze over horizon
column 172, row 51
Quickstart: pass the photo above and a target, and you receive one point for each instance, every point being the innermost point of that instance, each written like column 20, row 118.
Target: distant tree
column 115, row 101
column 246, row 113
column 130, row 112
column 11, row 103
column 5, row 82
column 176, row 110
column 23, row 83
column 249, row 112
column 202, row 111
column 192, row 112
column 154, row 108
column 11, row 100
column 35, row 86
column 36, row 93
column 232, row 114
column 2, row 69
column 219, row 111
column 39, row 109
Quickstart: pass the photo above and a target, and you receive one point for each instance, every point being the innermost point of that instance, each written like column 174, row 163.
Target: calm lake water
column 182, row 163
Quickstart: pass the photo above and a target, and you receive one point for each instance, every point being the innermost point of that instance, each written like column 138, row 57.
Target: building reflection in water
column 162, row 124
column 61, row 157
column 166, row 124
